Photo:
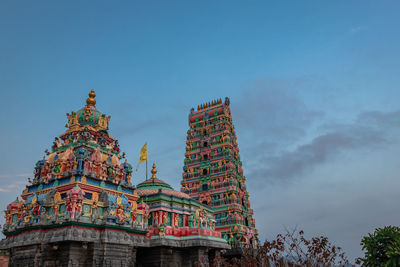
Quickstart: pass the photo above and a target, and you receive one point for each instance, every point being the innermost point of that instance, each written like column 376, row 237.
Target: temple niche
column 82, row 208
column 213, row 174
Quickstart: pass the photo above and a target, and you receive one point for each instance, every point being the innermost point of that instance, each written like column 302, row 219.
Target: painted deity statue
column 155, row 218
column 133, row 216
column 120, row 214
column 74, row 203
column 176, row 220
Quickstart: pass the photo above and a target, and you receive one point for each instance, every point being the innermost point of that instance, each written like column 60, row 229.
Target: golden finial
column 91, row 101
column 153, row 171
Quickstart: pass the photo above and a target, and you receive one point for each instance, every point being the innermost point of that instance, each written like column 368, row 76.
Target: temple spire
column 91, row 101
column 153, row 172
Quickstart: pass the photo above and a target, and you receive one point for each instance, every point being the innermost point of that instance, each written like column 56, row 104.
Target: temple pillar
column 173, row 219
column 185, row 220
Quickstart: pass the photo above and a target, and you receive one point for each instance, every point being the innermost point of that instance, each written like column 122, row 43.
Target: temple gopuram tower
column 213, row 174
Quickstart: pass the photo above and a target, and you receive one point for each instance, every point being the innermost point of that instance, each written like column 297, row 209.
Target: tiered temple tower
column 213, row 174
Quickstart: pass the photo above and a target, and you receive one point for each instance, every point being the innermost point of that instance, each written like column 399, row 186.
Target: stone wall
column 77, row 246
column 172, row 257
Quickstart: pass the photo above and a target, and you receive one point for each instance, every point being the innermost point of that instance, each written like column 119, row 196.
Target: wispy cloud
column 357, row 29
column 15, row 175
column 269, row 111
column 14, row 187
column 368, row 131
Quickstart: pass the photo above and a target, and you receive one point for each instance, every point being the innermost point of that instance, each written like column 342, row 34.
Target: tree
column 292, row 249
column 382, row 248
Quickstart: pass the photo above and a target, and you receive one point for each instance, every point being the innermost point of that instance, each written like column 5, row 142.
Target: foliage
column 382, row 248
column 293, row 250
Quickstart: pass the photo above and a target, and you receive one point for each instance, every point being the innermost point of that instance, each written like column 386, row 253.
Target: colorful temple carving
column 81, row 179
column 81, row 208
column 213, row 174
column 173, row 215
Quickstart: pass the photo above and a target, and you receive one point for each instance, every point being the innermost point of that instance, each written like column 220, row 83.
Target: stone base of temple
column 92, row 254
column 80, row 246
column 175, row 257
column 72, row 254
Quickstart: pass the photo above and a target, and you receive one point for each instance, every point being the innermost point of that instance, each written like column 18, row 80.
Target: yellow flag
column 143, row 153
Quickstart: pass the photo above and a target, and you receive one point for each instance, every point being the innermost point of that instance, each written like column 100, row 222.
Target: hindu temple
column 213, row 174
column 82, row 208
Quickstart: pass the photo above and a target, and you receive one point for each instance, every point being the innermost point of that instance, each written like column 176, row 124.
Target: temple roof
column 151, row 191
column 155, row 185
column 153, row 182
column 88, row 116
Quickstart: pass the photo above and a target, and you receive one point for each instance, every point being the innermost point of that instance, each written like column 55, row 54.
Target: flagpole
column 146, row 168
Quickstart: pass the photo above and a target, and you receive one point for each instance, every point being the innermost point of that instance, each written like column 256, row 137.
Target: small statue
column 176, row 220
column 156, row 219
column 161, row 229
column 146, row 217
column 133, row 216
column 93, row 211
column 120, row 214
column 56, row 143
column 116, row 145
column 165, row 219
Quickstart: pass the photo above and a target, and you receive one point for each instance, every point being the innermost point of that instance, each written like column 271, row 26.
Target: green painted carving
column 86, row 208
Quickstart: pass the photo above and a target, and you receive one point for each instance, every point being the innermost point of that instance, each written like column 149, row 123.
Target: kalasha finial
column 91, row 101
column 153, row 171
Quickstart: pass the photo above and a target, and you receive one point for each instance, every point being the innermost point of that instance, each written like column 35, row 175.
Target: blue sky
column 313, row 87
